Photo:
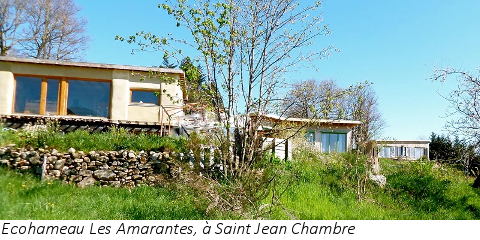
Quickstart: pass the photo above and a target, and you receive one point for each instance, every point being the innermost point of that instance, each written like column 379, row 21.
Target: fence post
column 44, row 166
column 288, row 149
column 273, row 146
column 212, row 153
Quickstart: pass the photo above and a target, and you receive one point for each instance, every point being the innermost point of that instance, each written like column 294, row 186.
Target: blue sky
column 394, row 44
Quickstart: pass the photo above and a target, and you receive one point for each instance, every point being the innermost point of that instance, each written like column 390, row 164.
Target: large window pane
column 325, row 142
column 387, row 152
column 88, row 98
column 334, row 142
column 381, row 152
column 27, row 95
column 419, row 152
column 52, row 97
column 342, row 141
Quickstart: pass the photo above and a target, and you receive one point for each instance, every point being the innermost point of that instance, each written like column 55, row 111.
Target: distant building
column 409, row 150
column 325, row 134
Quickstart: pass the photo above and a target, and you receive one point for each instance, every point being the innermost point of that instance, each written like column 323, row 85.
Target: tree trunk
column 476, row 183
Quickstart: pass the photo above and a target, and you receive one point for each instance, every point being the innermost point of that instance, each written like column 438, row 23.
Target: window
column 334, row 142
column 310, row 136
column 385, row 152
column 52, row 97
column 88, row 98
column 27, row 95
column 419, row 152
column 36, row 95
column 139, row 96
column 62, row 96
column 398, row 151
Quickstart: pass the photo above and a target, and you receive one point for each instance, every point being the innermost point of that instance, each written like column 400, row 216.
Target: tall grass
column 311, row 186
column 325, row 187
column 114, row 139
column 26, row 197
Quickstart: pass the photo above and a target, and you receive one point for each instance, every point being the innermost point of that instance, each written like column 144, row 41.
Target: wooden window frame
column 62, row 98
column 43, row 92
column 144, row 90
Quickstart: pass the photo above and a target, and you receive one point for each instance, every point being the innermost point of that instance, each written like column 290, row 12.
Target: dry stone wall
column 112, row 168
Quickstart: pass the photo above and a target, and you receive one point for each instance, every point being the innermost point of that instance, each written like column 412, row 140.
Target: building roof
column 308, row 120
column 403, row 141
column 89, row 65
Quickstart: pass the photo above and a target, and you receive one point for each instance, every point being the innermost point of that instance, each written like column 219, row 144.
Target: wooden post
column 44, row 166
column 476, row 183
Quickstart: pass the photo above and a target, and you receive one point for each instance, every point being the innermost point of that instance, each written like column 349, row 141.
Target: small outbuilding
column 325, row 134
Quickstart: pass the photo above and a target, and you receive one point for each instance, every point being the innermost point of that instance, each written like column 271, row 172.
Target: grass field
column 312, row 186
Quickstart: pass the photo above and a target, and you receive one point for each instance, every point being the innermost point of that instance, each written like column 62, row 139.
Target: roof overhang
column 89, row 65
column 403, row 141
column 99, row 66
column 307, row 121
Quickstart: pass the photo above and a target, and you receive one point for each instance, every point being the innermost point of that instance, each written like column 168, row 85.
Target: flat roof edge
column 89, row 65
column 307, row 120
column 402, row 141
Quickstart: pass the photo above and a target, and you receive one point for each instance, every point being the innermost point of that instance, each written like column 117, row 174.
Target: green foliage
column 37, row 135
column 197, row 90
column 81, row 140
column 324, row 187
column 312, row 186
column 458, row 153
column 25, row 197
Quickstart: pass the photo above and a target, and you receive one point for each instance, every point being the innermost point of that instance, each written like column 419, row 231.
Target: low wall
column 112, row 168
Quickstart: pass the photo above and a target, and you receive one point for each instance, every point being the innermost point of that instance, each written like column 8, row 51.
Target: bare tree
column 53, row 30
column 11, row 20
column 315, row 99
column 362, row 105
column 325, row 99
column 464, row 103
column 464, row 108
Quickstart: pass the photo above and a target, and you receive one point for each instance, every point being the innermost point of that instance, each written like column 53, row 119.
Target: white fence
column 280, row 148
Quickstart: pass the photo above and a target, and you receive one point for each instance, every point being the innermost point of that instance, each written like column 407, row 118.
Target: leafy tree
column 244, row 48
column 198, row 91
column 166, row 63
column 457, row 152
column 441, row 148
column 362, row 105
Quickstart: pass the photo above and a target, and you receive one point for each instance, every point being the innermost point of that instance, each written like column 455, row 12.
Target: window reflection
column 334, row 142
column 88, row 98
column 144, row 97
column 52, row 97
column 27, row 95
column 310, row 136
column 325, row 142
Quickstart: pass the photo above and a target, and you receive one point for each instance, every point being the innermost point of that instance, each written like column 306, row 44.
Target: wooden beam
column 62, row 97
column 43, row 96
